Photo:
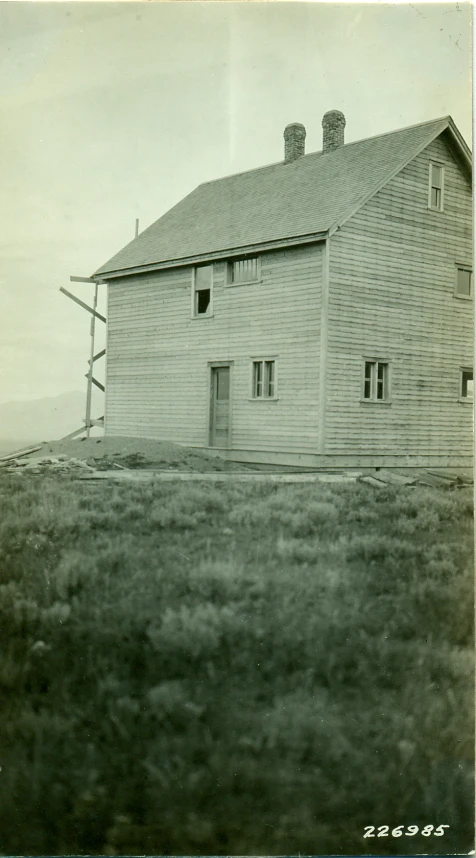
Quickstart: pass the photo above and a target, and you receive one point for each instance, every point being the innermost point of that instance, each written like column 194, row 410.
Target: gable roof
column 282, row 202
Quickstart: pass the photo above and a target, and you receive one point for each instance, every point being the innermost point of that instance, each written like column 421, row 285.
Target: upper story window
column 466, row 392
column 464, row 281
column 202, row 289
column 436, row 187
column 376, row 381
column 243, row 271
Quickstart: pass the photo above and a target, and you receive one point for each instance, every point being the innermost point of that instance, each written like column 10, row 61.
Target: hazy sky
column 115, row 111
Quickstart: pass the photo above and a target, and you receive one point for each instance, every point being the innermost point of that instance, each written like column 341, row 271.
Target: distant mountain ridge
column 32, row 421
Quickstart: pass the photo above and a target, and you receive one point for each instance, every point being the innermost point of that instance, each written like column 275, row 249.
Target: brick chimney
column 333, row 124
column 294, row 141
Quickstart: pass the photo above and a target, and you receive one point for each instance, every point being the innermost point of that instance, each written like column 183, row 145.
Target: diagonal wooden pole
column 82, row 304
column 91, row 356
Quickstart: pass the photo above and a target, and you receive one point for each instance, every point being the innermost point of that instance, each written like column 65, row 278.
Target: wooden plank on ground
column 20, row 453
column 443, row 476
column 394, row 479
column 452, row 476
column 192, row 476
column 371, row 481
column 428, row 479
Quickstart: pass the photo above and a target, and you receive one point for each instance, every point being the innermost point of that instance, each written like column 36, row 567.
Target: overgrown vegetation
column 245, row 670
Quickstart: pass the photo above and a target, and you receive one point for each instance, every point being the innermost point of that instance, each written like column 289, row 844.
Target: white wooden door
column 220, row 407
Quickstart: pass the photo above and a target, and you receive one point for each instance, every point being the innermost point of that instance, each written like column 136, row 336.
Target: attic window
column 435, row 191
column 202, row 291
column 243, row 271
column 464, row 277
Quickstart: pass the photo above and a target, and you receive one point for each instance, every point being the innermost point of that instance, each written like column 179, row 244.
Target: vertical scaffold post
column 91, row 364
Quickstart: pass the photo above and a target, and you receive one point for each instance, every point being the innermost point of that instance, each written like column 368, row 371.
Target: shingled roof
column 280, row 202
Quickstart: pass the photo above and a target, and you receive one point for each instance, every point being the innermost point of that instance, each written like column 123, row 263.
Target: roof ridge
column 320, row 152
column 399, row 130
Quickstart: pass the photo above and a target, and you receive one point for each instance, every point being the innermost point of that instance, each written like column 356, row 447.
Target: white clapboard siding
column 392, row 281
column 158, row 356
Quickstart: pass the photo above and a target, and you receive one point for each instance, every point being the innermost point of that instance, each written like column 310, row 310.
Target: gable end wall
column 392, row 280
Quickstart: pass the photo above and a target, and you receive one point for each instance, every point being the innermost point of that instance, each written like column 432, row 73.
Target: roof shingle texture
column 309, row 195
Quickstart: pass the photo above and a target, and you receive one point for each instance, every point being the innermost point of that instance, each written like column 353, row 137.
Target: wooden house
column 317, row 311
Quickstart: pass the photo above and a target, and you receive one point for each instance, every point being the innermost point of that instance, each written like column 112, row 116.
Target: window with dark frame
column 467, row 384
column 243, row 270
column 436, row 187
column 375, row 381
column 464, row 284
column 202, row 290
column 264, row 378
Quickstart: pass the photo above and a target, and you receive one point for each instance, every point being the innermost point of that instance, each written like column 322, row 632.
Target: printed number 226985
column 383, row 831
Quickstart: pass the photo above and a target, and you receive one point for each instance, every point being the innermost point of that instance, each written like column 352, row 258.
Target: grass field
column 250, row 669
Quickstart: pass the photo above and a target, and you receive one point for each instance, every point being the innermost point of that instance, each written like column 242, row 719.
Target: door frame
column 216, row 364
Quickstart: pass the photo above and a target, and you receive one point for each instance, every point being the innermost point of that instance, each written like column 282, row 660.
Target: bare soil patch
column 138, row 453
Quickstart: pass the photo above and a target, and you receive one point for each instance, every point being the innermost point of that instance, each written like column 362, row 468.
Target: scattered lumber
column 440, row 480
column 442, row 476
column 395, row 479
column 46, row 464
column 452, row 476
column 372, row 481
column 20, row 453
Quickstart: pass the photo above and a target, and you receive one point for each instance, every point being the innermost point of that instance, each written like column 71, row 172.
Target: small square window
column 243, row 270
column 264, row 379
column 436, row 187
column 376, row 381
column 467, row 384
column 202, row 290
column 464, row 284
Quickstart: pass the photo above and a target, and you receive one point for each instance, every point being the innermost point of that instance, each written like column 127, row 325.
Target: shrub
column 193, row 633
column 199, row 670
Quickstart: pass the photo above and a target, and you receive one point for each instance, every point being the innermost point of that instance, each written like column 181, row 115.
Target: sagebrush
column 250, row 669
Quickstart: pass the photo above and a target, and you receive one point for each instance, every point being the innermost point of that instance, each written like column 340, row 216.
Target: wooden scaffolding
column 89, row 421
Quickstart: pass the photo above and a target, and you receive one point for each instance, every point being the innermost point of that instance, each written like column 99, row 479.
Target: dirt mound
column 144, row 453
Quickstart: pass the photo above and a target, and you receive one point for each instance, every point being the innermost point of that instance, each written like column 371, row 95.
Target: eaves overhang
column 216, row 256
